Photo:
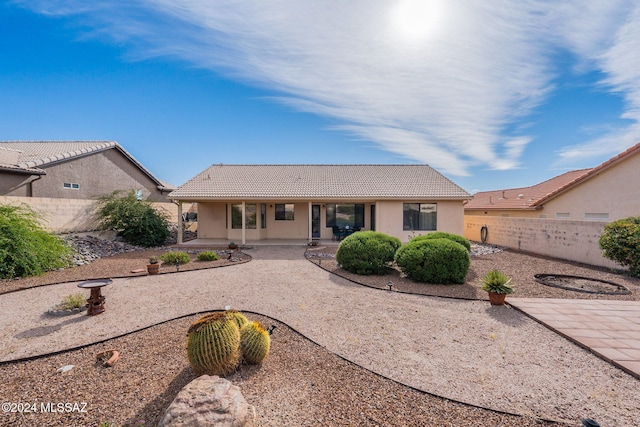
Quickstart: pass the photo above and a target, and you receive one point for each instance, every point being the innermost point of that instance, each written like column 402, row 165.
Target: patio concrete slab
column 607, row 328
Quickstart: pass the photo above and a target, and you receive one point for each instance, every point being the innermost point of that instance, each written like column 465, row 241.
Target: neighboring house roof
column 526, row 198
column 319, row 182
column 534, row 197
column 34, row 155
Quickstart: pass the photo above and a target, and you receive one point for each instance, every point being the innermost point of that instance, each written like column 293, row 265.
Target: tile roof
column 521, row 198
column 37, row 154
column 534, row 197
column 319, row 182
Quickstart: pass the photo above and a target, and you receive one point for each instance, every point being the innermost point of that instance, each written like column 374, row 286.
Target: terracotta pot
column 153, row 268
column 496, row 299
column 233, row 246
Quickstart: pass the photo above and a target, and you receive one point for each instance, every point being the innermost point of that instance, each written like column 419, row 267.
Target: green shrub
column 208, row 256
column 442, row 235
column 72, row 301
column 176, row 258
column 26, row 249
column 440, row 261
column 367, row 252
column 137, row 221
column 620, row 242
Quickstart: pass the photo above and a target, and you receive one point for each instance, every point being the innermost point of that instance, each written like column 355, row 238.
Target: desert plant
column 176, row 258
column 441, row 261
column 208, row 256
column 213, row 345
column 72, row 301
column 255, row 342
column 620, row 242
column 153, row 260
column 26, row 249
column 367, row 252
column 137, row 221
column 237, row 317
column 497, row 282
column 442, row 235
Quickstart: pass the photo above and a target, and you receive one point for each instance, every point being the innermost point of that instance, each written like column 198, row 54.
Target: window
column 71, row 186
column 249, row 216
column 344, row 214
column 419, row 216
column 284, row 211
column 563, row 215
column 263, row 216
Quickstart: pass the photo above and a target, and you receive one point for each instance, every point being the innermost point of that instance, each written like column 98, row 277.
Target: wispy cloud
column 435, row 81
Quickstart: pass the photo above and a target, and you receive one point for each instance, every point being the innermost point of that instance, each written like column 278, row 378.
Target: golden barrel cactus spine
column 238, row 317
column 213, row 345
column 255, row 342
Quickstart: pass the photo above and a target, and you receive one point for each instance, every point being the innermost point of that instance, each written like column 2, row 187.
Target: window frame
column 285, row 211
column 431, row 221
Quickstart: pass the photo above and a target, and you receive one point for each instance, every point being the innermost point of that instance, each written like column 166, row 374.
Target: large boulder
column 207, row 401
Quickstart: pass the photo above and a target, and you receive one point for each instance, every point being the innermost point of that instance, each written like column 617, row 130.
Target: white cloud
column 443, row 95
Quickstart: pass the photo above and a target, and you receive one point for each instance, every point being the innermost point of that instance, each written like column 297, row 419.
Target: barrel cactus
column 213, row 345
column 255, row 342
column 238, row 317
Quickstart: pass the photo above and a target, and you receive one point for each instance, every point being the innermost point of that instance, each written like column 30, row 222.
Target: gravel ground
column 300, row 383
column 521, row 267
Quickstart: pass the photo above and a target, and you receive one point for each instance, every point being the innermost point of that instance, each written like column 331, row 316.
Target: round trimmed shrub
column 620, row 242
column 439, row 261
column 367, row 252
column 442, row 235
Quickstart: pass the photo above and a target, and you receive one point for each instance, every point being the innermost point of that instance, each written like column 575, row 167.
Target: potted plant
column 233, row 245
column 498, row 285
column 154, row 266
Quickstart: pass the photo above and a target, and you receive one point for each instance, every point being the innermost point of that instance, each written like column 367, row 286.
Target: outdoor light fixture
column 390, row 285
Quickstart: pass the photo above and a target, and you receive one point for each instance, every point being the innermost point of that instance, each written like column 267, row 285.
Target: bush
column 434, row 261
column 208, row 256
column 367, row 252
column 620, row 242
column 442, row 235
column 26, row 249
column 176, row 258
column 137, row 221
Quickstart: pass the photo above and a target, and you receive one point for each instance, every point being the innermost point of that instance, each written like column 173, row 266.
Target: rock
column 207, row 401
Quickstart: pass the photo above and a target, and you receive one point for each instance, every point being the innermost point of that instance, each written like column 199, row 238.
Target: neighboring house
column 607, row 192
column 257, row 202
column 74, row 170
column 562, row 217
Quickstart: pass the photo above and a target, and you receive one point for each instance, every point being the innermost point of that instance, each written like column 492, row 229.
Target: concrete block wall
column 563, row 239
column 74, row 215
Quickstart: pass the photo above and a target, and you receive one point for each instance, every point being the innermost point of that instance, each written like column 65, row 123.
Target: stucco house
column 606, row 192
column 308, row 202
column 74, row 170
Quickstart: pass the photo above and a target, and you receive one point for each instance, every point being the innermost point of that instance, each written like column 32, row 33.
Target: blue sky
column 494, row 95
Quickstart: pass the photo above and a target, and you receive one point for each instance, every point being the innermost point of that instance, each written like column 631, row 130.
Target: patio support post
column 180, row 222
column 310, row 230
column 244, row 236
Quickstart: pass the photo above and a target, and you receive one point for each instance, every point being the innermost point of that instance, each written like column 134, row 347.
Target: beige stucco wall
column 75, row 215
column 507, row 213
column 389, row 218
column 615, row 192
column 563, row 239
column 213, row 222
column 97, row 175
